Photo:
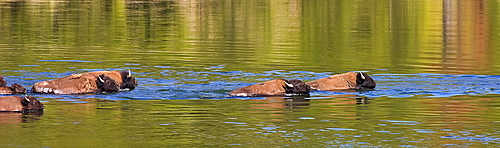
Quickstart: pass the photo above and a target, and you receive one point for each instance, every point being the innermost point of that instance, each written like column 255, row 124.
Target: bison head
column 31, row 103
column 129, row 82
column 106, row 84
column 296, row 87
column 365, row 81
column 18, row 89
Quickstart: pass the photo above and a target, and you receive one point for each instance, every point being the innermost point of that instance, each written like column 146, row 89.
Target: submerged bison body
column 20, row 104
column 275, row 87
column 13, row 89
column 90, row 82
column 350, row 80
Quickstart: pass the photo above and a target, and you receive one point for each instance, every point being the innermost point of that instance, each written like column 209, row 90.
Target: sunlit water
column 437, row 73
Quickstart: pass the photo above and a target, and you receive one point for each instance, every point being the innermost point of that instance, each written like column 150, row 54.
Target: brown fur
column 20, row 104
column 123, row 78
column 115, row 75
column 272, row 88
column 268, row 88
column 78, row 83
column 14, row 89
column 343, row 81
column 6, row 90
column 73, row 84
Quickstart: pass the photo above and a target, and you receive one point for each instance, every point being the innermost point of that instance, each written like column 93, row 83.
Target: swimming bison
column 350, row 80
column 20, row 104
column 9, row 90
column 90, row 82
column 13, row 89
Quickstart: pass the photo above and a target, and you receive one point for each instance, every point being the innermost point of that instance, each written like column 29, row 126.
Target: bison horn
column 26, row 98
column 100, row 79
column 288, row 84
column 129, row 73
column 362, row 76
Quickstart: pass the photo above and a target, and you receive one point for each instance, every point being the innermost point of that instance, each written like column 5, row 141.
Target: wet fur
column 20, row 104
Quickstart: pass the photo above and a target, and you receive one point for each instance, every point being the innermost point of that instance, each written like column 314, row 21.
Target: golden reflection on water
column 466, row 37
column 408, row 36
column 458, row 115
column 459, row 109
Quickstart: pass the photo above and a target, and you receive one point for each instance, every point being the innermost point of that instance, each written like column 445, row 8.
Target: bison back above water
column 20, row 104
column 275, row 87
column 350, row 80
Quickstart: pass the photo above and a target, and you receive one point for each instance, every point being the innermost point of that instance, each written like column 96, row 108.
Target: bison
column 20, row 104
column 13, row 89
column 277, row 87
column 90, row 82
column 9, row 90
column 350, row 80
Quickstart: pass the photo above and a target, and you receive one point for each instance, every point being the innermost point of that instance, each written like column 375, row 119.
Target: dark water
column 435, row 62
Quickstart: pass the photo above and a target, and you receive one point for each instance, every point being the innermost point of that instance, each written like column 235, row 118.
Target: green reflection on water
column 342, row 120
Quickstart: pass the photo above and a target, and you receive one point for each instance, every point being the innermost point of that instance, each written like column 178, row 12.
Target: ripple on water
column 341, row 129
column 75, row 61
column 433, row 85
column 399, row 122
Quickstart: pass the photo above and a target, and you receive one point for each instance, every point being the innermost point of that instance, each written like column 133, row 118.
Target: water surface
column 436, row 66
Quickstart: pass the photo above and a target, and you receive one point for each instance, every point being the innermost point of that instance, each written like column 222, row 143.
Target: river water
column 436, row 64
